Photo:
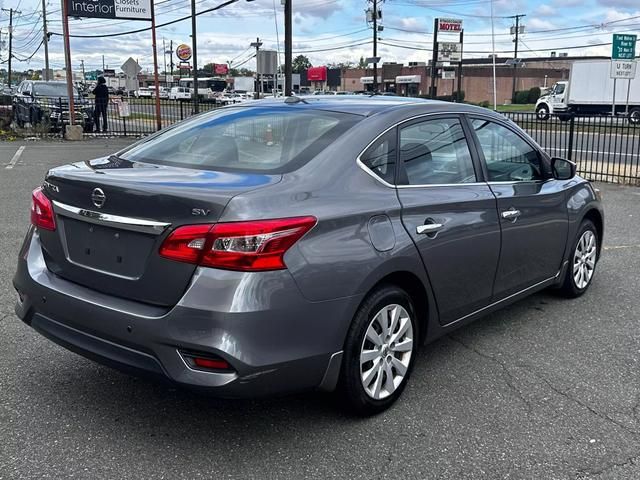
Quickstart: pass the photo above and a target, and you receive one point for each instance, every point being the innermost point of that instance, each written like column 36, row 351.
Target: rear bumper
column 275, row 340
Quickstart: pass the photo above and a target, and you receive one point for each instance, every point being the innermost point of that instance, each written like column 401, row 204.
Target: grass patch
column 525, row 107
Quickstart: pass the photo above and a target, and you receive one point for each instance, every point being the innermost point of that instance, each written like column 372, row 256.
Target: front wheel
column 542, row 112
column 582, row 261
column 634, row 116
column 380, row 350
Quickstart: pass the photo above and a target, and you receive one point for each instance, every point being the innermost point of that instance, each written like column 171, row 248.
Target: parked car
column 39, row 102
column 143, row 92
column 284, row 245
column 180, row 93
column 163, row 92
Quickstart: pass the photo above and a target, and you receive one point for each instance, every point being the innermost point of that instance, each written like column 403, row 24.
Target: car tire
column 377, row 362
column 542, row 112
column 634, row 116
column 583, row 259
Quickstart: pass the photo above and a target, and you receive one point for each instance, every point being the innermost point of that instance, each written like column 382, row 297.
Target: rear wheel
column 582, row 261
column 380, row 350
column 634, row 116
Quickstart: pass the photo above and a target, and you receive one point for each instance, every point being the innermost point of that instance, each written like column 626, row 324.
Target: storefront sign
column 317, row 74
column 116, row 9
column 183, row 52
column 449, row 25
column 408, row 79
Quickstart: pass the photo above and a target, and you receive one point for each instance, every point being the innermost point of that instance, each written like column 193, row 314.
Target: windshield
column 52, row 89
column 261, row 139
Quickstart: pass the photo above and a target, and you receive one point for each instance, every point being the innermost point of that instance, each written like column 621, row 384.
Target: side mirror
column 562, row 169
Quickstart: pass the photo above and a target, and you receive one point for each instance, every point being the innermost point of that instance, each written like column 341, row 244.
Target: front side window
column 436, row 152
column 380, row 157
column 508, row 157
column 245, row 138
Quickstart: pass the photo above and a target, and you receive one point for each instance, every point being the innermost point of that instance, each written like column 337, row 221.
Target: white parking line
column 15, row 158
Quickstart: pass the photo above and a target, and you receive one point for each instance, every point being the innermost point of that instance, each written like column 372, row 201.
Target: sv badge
column 200, row 212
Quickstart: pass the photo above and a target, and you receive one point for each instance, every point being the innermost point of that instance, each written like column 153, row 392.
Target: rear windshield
column 262, row 139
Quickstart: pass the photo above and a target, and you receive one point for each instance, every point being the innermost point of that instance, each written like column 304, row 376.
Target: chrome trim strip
column 505, row 299
column 109, row 220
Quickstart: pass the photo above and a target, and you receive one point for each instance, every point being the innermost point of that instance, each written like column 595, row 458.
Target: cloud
column 619, row 3
column 544, row 10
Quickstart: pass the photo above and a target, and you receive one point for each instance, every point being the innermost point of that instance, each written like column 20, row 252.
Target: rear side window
column 380, row 157
column 436, row 152
column 262, row 139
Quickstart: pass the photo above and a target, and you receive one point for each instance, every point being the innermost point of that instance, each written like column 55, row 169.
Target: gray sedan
column 315, row 243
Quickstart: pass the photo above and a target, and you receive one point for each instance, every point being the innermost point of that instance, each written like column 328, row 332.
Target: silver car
column 286, row 245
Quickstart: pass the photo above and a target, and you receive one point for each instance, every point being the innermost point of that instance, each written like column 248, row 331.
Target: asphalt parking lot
column 545, row 389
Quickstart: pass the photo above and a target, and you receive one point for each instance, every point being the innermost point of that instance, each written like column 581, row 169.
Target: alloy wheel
column 584, row 259
column 386, row 351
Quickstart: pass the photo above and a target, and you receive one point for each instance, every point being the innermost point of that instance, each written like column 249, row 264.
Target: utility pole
column 164, row 57
column 194, row 50
column 515, row 56
column 82, row 66
column 103, row 64
column 288, row 48
column 11, row 12
column 45, row 40
column 375, row 45
column 257, row 44
column 171, row 57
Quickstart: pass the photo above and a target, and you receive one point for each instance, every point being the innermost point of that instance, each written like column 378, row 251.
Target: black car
column 41, row 102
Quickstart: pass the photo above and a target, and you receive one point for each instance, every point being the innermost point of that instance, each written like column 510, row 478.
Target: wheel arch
column 417, row 291
column 596, row 218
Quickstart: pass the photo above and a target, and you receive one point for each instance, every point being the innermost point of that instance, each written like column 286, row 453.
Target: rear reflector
column 205, row 361
column 42, row 215
column 246, row 246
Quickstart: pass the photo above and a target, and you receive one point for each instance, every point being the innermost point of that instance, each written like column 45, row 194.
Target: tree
column 300, row 64
column 362, row 63
column 341, row 65
column 241, row 72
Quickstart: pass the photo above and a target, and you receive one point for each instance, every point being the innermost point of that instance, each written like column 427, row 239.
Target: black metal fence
column 137, row 116
column 604, row 148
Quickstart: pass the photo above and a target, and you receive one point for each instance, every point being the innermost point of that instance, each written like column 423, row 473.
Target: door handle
column 511, row 214
column 428, row 228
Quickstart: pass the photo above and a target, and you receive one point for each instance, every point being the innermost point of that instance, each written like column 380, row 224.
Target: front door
column 531, row 206
column 450, row 216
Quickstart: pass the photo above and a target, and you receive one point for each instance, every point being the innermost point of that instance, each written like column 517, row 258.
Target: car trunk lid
column 112, row 216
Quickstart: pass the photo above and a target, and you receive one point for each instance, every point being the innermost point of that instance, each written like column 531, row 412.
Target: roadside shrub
column 484, row 103
column 534, row 94
column 522, row 96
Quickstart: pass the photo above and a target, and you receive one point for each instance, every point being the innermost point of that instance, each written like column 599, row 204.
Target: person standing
column 101, row 93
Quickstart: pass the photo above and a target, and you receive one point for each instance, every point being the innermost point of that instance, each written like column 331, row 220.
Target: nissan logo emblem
column 98, row 197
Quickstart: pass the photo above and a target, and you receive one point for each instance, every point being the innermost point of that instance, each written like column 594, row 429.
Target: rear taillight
column 247, row 246
column 42, row 215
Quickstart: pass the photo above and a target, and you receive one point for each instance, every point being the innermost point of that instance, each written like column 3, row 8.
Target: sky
column 326, row 31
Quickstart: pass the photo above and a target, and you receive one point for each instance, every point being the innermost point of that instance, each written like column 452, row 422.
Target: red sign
column 317, row 74
column 220, row 69
column 449, row 25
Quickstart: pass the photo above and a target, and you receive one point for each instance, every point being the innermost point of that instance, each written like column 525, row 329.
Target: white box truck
column 589, row 91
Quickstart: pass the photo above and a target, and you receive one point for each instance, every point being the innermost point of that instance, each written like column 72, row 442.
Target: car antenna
column 293, row 99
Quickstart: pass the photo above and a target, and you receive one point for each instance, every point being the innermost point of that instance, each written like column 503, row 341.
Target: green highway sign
column 624, row 47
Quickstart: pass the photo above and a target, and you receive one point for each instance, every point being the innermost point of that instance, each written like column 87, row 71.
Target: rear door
column 450, row 215
column 531, row 206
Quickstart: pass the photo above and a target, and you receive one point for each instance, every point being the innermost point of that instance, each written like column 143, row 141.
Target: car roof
column 365, row 105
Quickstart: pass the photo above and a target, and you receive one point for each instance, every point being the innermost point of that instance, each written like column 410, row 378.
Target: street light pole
column 257, row 44
column 45, row 38
column 194, row 50
column 288, row 47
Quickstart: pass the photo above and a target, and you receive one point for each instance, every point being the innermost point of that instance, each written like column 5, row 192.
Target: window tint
column 436, row 152
column 380, row 157
column 248, row 139
column 509, row 158
column 559, row 88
